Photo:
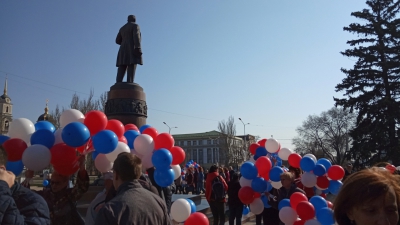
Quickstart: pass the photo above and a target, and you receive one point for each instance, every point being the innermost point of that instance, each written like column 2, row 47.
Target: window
column 215, row 155
column 200, row 156
column 194, row 142
column 189, row 143
column 194, row 155
column 215, row 142
column 209, row 141
column 7, row 109
column 209, row 155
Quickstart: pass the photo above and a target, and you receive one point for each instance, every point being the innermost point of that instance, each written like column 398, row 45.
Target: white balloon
column 276, row 185
column 102, row 164
column 21, row 128
column 71, row 115
column 311, row 156
column 257, row 206
column 36, row 157
column 287, row 215
column 134, row 152
column 244, row 182
column 284, row 153
column 180, row 210
column 177, row 171
column 143, row 144
column 308, row 179
column 146, row 161
column 318, row 191
column 312, row 222
column 272, row 145
column 121, row 147
column 58, row 137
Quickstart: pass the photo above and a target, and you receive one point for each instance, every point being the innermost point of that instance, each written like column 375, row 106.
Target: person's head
column 287, row 179
column 296, row 171
column 108, row 180
column 213, row 168
column 349, row 166
column 201, row 169
column 235, row 177
column 58, row 182
column 3, row 158
column 226, row 170
column 127, row 167
column 131, row 18
column 370, row 196
column 230, row 168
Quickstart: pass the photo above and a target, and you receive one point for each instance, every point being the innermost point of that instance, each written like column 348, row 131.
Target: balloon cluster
column 192, row 163
column 184, row 211
column 299, row 211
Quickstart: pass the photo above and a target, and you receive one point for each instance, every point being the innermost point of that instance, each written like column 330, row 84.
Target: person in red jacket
column 217, row 206
column 297, row 180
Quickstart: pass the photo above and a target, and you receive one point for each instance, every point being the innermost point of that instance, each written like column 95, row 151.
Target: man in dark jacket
column 235, row 205
column 133, row 204
column 164, row 192
column 19, row 205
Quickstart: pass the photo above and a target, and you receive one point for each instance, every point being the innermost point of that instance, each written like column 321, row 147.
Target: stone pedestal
column 127, row 103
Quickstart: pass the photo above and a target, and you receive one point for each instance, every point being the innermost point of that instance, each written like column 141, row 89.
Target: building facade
column 6, row 111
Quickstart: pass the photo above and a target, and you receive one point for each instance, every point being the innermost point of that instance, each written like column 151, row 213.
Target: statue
column 130, row 52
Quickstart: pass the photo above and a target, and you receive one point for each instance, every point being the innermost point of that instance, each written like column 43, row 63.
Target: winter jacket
column 164, row 192
column 20, row 205
column 233, row 194
column 282, row 193
column 210, row 178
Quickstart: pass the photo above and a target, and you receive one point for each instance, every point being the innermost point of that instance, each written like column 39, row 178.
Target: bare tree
column 326, row 135
column 54, row 116
column 231, row 146
column 102, row 101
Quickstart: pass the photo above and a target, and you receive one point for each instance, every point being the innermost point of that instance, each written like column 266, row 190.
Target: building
column 6, row 111
column 45, row 115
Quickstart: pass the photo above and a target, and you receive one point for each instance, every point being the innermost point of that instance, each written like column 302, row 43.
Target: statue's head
column 131, row 18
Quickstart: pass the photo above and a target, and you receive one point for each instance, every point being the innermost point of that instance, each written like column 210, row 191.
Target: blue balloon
column 43, row 137
column 326, row 191
column 319, row 170
column 164, row 177
column 318, row 202
column 75, row 134
column 192, row 206
column 284, row 203
column 144, row 127
column 246, row 210
column 16, row 167
column 261, row 151
column 264, row 199
column 45, row 125
column 325, row 162
column 278, row 162
column 95, row 154
column 334, row 186
column 130, row 136
column 105, row 141
column 325, row 216
column 307, row 164
column 275, row 174
column 249, row 170
column 45, row 183
column 3, row 138
column 162, row 159
column 258, row 184
column 269, row 187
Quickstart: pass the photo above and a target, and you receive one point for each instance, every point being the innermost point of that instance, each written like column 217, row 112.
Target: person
column 231, row 172
column 234, row 203
column 99, row 201
column 130, row 51
column 195, row 180
column 19, row 205
column 61, row 199
column 190, row 181
column 221, row 172
column 200, row 181
column 164, row 192
column 370, row 196
column 217, row 206
column 348, row 171
column 227, row 175
column 178, row 184
column 133, row 204
column 297, row 180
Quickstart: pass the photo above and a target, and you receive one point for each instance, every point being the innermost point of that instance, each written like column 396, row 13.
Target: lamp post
column 244, row 137
column 170, row 128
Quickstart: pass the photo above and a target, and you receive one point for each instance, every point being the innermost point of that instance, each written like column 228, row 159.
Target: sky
column 270, row 63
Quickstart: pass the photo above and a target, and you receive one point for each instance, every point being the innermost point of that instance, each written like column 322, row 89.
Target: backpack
column 217, row 189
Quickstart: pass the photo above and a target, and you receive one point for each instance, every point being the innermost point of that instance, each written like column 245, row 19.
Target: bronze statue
column 130, row 52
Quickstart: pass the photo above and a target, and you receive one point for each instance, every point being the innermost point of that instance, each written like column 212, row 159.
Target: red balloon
column 263, row 164
column 299, row 222
column 296, row 198
column 86, row 148
column 197, row 218
column 330, row 205
column 322, row 182
column 151, row 131
column 253, row 148
column 391, row 168
column 305, row 210
column 257, row 195
column 67, row 169
column 246, row 195
column 131, row 126
column 164, row 140
column 123, row 139
column 262, row 142
column 265, row 176
column 178, row 155
column 95, row 121
column 62, row 154
column 116, row 126
column 14, row 147
column 336, row 172
column 294, row 160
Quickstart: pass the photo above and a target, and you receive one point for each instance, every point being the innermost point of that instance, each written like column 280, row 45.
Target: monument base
column 127, row 103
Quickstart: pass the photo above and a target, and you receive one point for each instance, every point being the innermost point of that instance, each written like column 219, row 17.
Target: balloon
column 272, row 145
column 257, row 206
column 308, row 179
column 319, row 170
column 311, row 156
column 391, row 168
column 253, row 147
column 244, row 182
column 284, row 153
column 16, row 167
column 259, row 184
column 246, row 195
column 327, row 164
column 307, row 164
column 67, row 169
column 248, row 170
column 178, row 155
column 14, row 147
column 299, row 222
column 197, row 218
column 336, row 172
column 151, row 131
column 163, row 140
column 263, row 165
column 45, row 183
column 318, row 202
column 180, row 210
column 287, row 215
column 143, row 144
column 262, row 142
column 95, row 121
column 334, row 186
column 123, row 140
column 257, row 195
column 322, row 182
column 75, row 134
column 130, row 136
column 164, row 177
column 330, row 205
column 36, row 157
column 264, row 199
column 146, row 161
column 57, row 136
column 192, row 205
column 95, row 154
column 177, row 171
column 294, row 160
column 305, row 210
column 102, row 164
column 45, row 125
column 162, row 158
column 105, row 141
column 325, row 216
column 296, row 198
column 144, row 127
column 62, row 153
column 116, row 126
column 121, row 147
column 276, row 185
column 43, row 137
column 246, row 210
column 69, row 116
column 284, row 203
column 21, row 128
column 3, row 138
column 275, row 174
column 261, row 151
column 312, row 222
column 130, row 126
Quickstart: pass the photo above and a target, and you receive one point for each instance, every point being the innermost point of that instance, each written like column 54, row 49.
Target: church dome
column 45, row 115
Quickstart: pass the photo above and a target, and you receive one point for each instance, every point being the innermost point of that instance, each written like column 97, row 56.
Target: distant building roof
column 213, row 133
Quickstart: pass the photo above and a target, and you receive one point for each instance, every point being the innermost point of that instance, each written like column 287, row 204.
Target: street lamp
column 244, row 137
column 170, row 128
